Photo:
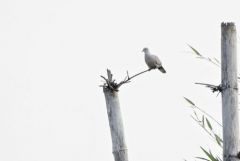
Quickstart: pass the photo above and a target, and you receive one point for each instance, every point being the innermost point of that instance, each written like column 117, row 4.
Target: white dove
column 153, row 61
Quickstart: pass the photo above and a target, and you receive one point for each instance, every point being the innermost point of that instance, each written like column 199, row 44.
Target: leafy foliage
column 203, row 119
column 214, row 61
column 210, row 155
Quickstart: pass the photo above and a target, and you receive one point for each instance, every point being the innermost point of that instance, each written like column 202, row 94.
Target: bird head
column 145, row 50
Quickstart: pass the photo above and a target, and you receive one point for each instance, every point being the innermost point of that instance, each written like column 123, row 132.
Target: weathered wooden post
column 229, row 87
column 119, row 147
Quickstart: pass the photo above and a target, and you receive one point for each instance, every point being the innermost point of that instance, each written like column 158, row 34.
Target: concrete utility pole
column 229, row 87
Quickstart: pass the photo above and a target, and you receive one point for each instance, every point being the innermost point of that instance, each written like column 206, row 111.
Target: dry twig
column 112, row 85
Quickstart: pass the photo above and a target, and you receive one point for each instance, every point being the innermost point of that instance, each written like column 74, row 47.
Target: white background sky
column 53, row 52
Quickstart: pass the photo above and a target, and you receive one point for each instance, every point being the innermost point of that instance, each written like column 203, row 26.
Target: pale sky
column 54, row 51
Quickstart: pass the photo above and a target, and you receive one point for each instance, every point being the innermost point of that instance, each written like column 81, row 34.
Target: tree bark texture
column 119, row 147
column 229, row 92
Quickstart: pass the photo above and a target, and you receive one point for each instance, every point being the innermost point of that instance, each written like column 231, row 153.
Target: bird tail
column 162, row 69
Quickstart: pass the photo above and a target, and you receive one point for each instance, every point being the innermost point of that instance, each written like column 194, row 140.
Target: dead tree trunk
column 110, row 89
column 229, row 92
column 119, row 147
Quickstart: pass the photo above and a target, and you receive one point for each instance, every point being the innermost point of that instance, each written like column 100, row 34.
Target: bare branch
column 129, row 78
column 112, row 85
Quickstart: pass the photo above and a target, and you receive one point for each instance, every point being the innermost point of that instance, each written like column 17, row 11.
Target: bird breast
column 150, row 61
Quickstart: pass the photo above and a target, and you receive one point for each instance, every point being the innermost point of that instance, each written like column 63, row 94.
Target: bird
column 153, row 61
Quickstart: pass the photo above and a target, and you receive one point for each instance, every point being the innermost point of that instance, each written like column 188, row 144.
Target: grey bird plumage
column 153, row 61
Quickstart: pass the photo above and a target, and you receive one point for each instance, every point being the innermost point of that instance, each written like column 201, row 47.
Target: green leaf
column 202, row 158
column 209, row 124
column 217, row 60
column 203, row 122
column 189, row 101
column 209, row 154
column 218, row 139
column 196, row 116
column 195, row 51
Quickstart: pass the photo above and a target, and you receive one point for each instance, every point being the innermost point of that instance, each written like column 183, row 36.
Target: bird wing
column 157, row 61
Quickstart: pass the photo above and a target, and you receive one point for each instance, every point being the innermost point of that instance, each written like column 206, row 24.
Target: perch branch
column 112, row 85
column 127, row 78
